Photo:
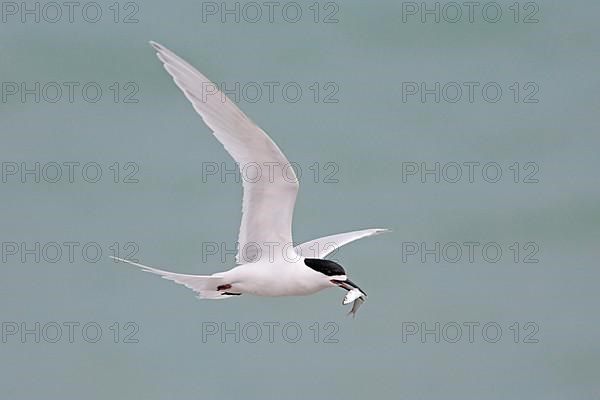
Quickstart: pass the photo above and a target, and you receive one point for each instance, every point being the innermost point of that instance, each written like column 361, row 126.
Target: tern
column 267, row 209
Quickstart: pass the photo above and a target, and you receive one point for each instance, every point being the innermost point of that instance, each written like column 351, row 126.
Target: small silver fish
column 356, row 296
column 352, row 295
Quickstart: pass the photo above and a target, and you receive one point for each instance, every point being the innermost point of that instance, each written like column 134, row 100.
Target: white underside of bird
column 267, row 209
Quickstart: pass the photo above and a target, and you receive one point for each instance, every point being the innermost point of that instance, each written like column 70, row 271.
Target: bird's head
column 333, row 272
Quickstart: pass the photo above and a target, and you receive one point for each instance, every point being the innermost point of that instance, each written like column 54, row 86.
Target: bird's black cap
column 326, row 267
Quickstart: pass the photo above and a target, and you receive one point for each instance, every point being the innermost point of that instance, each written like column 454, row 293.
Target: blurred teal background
column 369, row 133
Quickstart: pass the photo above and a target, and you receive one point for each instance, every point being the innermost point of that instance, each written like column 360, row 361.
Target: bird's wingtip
column 156, row 45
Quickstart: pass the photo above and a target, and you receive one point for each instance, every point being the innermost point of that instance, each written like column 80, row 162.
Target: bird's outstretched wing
column 321, row 247
column 268, row 203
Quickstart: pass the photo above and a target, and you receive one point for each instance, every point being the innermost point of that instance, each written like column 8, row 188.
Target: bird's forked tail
column 206, row 286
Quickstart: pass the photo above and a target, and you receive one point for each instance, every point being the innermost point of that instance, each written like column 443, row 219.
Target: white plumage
column 267, row 207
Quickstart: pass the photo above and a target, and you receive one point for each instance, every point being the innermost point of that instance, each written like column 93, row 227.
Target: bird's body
column 267, row 208
column 279, row 277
